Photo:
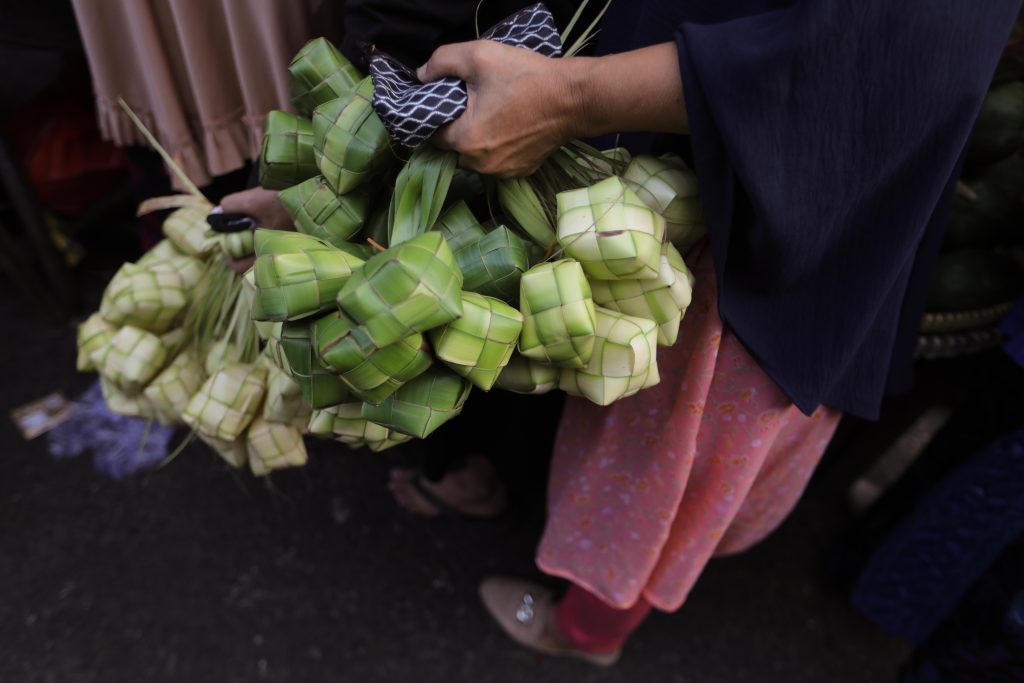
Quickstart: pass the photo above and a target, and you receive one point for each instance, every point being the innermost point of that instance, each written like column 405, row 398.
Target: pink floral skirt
column 708, row 462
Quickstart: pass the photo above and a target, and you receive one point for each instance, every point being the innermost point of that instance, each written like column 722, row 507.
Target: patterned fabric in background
column 412, row 111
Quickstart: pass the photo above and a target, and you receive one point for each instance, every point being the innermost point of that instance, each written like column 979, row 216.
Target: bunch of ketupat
column 173, row 341
column 392, row 301
column 571, row 283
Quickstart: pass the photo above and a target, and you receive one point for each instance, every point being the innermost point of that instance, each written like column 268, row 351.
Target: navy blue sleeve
column 826, row 136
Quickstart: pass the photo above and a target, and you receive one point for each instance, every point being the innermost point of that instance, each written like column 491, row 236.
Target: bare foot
column 473, row 491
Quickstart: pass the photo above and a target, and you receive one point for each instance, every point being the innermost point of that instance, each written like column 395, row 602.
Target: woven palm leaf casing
column 423, row 404
column 525, row 376
column 227, row 402
column 624, row 360
column 287, row 157
column 169, row 392
column 123, row 404
column 613, row 234
column 299, row 281
column 189, row 268
column 273, row 446
column 667, row 185
column 412, row 287
column 345, row 423
column 93, row 333
column 284, row 401
column 153, row 301
column 663, row 299
column 372, row 373
column 318, row 211
column 494, row 264
column 319, row 387
column 478, row 345
column 558, row 310
column 187, row 229
column 319, row 73
column 349, row 141
column 459, row 226
column 130, row 359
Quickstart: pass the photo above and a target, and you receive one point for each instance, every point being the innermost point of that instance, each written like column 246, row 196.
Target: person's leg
column 591, row 625
column 467, row 460
column 579, row 625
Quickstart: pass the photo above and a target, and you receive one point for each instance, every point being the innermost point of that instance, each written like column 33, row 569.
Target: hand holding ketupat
column 523, row 106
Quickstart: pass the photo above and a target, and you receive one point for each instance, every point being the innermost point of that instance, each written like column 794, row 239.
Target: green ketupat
column 227, row 402
column 236, row 245
column 319, row 73
column 187, row 229
column 422, row 405
column 558, row 314
column 123, row 404
column 297, row 275
column 93, row 333
column 319, row 212
column 669, row 187
column 284, row 401
column 525, row 376
column 459, row 226
column 349, row 141
column 663, row 300
column 287, row 157
column 130, row 359
column 273, row 446
column 169, row 392
column 189, row 268
column 478, row 345
column 610, row 231
column 319, row 387
column 265, row 329
column 412, row 287
column 153, row 301
column 371, row 373
column 494, row 264
column 346, row 423
column 624, row 360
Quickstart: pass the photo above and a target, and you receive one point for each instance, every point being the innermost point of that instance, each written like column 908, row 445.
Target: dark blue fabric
column 916, row 576
column 1013, row 327
column 983, row 640
column 826, row 135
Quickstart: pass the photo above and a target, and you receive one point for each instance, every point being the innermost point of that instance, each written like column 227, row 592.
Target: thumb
column 457, row 59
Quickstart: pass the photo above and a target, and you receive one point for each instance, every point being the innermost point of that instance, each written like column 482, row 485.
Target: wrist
column 584, row 118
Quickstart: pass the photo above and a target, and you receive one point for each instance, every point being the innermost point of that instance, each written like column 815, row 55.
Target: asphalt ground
column 195, row 572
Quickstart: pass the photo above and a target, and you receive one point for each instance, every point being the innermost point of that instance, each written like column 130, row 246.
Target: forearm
column 640, row 90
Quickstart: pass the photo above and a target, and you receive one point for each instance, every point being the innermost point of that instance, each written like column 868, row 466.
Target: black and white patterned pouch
column 412, row 111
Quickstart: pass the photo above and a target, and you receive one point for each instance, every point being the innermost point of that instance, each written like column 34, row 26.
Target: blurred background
column 904, row 561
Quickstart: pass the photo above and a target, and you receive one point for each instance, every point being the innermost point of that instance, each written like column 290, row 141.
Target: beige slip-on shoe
column 525, row 611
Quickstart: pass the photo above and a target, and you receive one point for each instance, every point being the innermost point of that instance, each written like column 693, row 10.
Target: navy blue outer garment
column 827, row 136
